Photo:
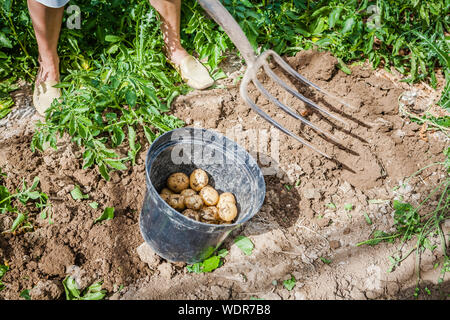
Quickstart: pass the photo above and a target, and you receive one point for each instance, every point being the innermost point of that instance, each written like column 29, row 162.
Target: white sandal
column 194, row 73
column 44, row 93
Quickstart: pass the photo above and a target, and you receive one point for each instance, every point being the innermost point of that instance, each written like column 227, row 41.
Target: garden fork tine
column 220, row 14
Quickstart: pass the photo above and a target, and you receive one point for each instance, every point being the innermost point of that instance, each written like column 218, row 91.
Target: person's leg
column 169, row 11
column 47, row 26
column 191, row 70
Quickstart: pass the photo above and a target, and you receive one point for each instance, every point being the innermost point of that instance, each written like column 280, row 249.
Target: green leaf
column 112, row 38
column 131, row 137
column 25, row 294
column 71, row 289
column 348, row 206
column 331, row 205
column 211, row 264
column 245, row 244
column 5, row 200
column 343, row 66
column 83, row 131
column 94, row 292
column 77, row 194
column 4, row 41
column 108, row 214
column 334, row 16
column 18, row 221
column 131, row 98
column 116, row 164
column 4, row 113
column 290, row 284
column 7, row 5
column 88, row 159
column 368, row 220
column 93, row 205
column 104, row 171
column 324, row 260
column 222, row 253
column 3, row 270
column 196, row 267
column 149, row 134
column 348, row 25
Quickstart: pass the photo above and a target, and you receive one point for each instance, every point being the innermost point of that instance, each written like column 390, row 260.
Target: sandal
column 192, row 71
column 44, row 93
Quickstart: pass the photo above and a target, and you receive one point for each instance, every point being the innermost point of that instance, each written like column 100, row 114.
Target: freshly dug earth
column 293, row 230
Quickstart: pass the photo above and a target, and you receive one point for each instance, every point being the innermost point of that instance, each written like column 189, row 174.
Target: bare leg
column 169, row 11
column 47, row 25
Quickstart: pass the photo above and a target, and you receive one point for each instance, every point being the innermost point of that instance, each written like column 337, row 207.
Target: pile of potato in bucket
column 195, row 199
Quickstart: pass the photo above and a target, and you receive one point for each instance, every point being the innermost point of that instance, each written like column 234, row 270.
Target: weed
column 245, row 244
column 325, row 260
column 77, row 194
column 25, row 294
column 24, row 195
column 93, row 292
column 331, row 205
column 411, row 223
column 348, row 207
column 368, row 220
column 93, row 205
column 290, row 284
column 3, row 269
column 107, row 214
column 209, row 264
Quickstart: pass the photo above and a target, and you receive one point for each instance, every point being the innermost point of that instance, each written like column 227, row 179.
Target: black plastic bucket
column 230, row 168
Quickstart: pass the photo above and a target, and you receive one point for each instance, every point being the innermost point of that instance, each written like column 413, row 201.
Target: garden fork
column 254, row 63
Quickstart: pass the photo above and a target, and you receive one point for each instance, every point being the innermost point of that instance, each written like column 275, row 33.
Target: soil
column 294, row 232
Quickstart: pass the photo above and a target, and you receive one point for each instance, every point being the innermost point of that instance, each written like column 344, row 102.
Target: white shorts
column 53, row 3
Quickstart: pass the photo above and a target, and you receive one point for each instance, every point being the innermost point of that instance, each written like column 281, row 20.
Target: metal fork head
column 251, row 76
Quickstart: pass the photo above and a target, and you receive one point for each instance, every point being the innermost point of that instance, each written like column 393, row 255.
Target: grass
column 418, row 225
column 9, row 202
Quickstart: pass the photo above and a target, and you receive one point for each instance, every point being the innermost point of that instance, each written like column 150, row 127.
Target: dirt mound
column 295, row 228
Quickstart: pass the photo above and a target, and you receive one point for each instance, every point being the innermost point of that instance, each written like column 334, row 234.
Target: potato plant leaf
column 3, row 270
column 108, row 214
column 93, row 292
column 77, row 194
column 290, row 283
column 245, row 244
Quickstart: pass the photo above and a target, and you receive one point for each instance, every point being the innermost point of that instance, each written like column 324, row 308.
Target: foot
column 44, row 92
column 48, row 69
column 191, row 70
column 176, row 56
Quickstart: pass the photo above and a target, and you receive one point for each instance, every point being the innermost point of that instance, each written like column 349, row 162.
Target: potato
column 166, row 191
column 198, row 179
column 209, row 214
column 177, row 182
column 195, row 215
column 188, row 192
column 225, row 198
column 176, row 201
column 164, row 196
column 209, row 195
column 193, row 202
column 228, row 211
column 215, row 211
